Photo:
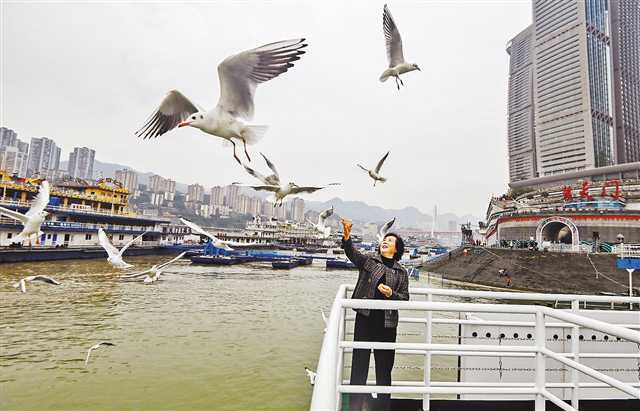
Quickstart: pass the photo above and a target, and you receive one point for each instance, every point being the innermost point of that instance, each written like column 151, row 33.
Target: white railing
column 330, row 384
column 628, row 250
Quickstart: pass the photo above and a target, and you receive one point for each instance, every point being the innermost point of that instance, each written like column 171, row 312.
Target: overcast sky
column 90, row 74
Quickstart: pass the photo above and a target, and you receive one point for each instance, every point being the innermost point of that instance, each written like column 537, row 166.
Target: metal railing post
column 575, row 350
column 426, row 400
column 541, row 368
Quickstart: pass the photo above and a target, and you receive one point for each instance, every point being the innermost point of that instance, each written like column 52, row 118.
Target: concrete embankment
column 535, row 270
column 21, row 255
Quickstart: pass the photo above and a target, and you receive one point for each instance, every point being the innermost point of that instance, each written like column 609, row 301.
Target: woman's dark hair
column 399, row 246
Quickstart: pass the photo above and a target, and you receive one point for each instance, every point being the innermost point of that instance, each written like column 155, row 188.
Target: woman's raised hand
column 346, row 228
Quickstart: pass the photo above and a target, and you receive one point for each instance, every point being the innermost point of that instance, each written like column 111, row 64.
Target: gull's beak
column 184, row 123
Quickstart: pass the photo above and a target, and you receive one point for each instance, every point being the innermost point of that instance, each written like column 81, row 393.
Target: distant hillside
column 405, row 217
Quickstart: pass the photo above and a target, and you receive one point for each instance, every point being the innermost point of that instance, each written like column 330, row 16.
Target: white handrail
column 329, row 384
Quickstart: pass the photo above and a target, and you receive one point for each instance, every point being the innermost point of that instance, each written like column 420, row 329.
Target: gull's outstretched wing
column 392, row 39
column 196, row 228
column 41, row 201
column 14, row 214
column 241, row 73
column 173, row 109
column 140, row 273
column 124, row 248
column 307, row 189
column 271, row 188
column 173, row 260
column 326, row 214
column 362, row 167
column 385, row 229
column 106, row 244
column 256, row 174
column 43, row 278
column 381, row 162
column 275, row 176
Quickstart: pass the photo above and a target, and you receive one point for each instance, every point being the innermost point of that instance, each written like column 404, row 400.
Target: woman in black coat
column 381, row 277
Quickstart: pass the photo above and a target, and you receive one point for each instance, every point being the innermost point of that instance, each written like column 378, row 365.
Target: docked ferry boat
column 77, row 209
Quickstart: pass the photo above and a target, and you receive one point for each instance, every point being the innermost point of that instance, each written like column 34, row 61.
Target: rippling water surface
column 204, row 337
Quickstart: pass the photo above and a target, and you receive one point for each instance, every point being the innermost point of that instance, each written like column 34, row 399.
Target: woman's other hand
column 346, row 228
column 385, row 290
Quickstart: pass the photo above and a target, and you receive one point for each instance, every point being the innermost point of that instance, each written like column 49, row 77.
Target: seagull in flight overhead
column 385, row 229
column 393, row 41
column 114, row 256
column 272, row 183
column 375, row 173
column 218, row 243
column 321, row 225
column 22, row 284
column 95, row 347
column 31, row 220
column 239, row 75
column 157, row 269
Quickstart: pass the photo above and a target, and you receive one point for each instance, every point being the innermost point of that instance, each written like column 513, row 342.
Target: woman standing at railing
column 380, row 278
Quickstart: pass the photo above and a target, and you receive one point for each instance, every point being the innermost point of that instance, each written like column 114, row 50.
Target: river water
column 204, row 337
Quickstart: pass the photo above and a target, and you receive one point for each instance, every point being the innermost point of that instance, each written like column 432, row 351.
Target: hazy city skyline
column 446, row 129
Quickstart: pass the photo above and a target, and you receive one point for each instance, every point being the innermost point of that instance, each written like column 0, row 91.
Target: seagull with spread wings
column 114, row 256
column 218, row 243
column 393, row 41
column 272, row 183
column 239, row 75
column 321, row 226
column 22, row 284
column 32, row 220
column 156, row 269
column 375, row 173
column 95, row 347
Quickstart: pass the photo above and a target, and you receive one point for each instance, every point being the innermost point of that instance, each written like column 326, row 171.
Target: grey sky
column 90, row 74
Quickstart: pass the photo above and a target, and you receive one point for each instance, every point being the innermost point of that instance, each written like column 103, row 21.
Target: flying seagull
column 385, row 229
column 311, row 375
column 272, row 183
column 375, row 173
column 393, row 41
column 239, row 75
column 32, row 220
column 22, row 284
column 114, row 256
column 157, row 269
column 218, row 243
column 321, row 225
column 95, row 347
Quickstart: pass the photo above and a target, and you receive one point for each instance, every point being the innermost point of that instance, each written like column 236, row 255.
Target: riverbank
column 535, row 270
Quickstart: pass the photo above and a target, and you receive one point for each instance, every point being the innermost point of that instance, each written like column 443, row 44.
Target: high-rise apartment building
column 217, row 196
column 44, row 156
column 14, row 154
column 81, row 162
column 297, row 209
column 157, row 184
column 195, row 193
column 232, row 197
column 582, row 56
column 128, row 178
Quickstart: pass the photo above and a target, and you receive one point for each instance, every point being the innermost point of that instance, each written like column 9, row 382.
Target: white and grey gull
column 22, row 283
column 321, row 225
column 218, row 243
column 375, row 173
column 114, row 257
column 33, row 219
column 239, row 75
column 95, row 347
column 156, row 269
column 395, row 56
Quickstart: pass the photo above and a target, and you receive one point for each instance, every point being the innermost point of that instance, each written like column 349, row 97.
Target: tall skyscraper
column 232, row 197
column 128, row 178
column 44, row 156
column 157, row 184
column 625, row 46
column 521, row 137
column 586, row 94
column 81, row 163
